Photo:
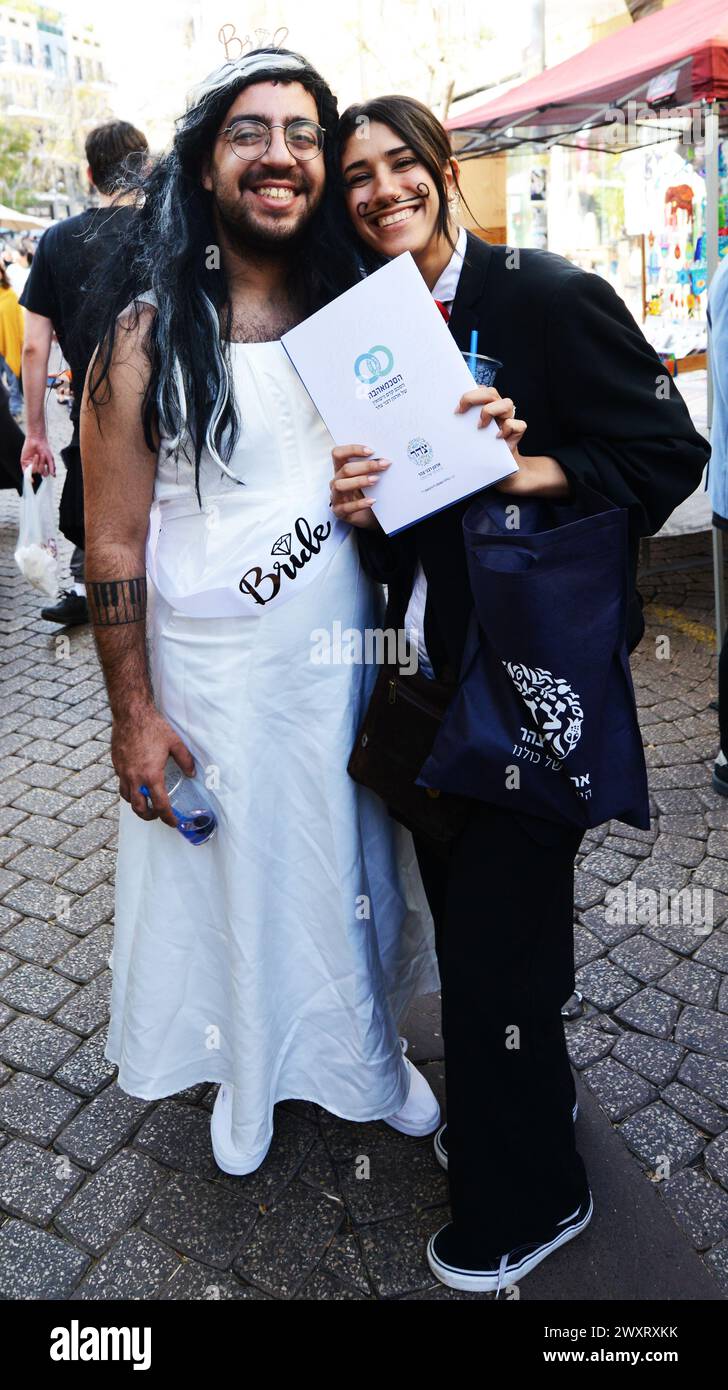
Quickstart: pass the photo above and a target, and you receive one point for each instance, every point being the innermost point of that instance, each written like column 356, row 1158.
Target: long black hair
column 166, row 251
column 419, row 128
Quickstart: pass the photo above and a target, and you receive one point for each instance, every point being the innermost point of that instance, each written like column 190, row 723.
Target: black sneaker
column 720, row 774
column 71, row 610
column 440, row 1140
column 502, row 1270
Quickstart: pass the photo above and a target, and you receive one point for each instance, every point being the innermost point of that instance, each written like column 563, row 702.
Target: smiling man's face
column 267, row 201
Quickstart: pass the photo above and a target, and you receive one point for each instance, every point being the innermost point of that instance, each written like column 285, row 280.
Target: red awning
column 611, row 70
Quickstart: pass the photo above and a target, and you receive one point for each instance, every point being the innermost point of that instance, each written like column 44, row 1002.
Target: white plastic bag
column 36, row 554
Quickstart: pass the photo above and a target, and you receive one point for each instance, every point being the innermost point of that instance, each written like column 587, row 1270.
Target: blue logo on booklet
column 371, row 365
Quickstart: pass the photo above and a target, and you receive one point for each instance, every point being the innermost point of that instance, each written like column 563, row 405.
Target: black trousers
column 503, row 910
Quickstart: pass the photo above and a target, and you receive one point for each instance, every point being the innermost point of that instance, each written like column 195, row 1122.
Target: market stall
column 651, row 94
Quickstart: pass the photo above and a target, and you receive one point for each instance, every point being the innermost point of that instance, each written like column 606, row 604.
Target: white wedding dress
column 280, row 955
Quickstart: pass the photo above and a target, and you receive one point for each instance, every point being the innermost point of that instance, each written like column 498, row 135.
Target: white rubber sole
column 468, row 1281
column 441, row 1153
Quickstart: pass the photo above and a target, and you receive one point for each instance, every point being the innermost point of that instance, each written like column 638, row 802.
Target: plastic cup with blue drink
column 195, row 819
column 482, row 369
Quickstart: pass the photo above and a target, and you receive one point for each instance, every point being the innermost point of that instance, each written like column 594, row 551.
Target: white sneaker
column 420, row 1113
column 220, row 1127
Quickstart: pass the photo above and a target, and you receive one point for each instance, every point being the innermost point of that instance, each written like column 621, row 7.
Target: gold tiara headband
column 235, row 47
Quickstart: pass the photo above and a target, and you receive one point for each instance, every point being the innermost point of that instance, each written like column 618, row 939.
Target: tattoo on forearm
column 114, row 601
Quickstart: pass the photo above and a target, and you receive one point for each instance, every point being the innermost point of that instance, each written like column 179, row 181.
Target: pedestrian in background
column 11, row 342
column 70, row 258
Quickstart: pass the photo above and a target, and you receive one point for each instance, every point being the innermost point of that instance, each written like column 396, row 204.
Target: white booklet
column 383, row 369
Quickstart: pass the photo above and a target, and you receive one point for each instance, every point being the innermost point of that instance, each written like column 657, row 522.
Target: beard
column 251, row 231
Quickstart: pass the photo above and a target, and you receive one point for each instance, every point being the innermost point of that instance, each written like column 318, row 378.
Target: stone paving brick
column 660, row 1137
column 394, row 1252
column 636, row 849
column 34, row 1183
column 661, row 873
column 110, row 1201
column 654, row 1059
column 87, row 957
column 90, row 837
column 678, row 849
column 34, row 990
column 588, row 890
column 136, row 1267
column 650, row 1011
column 288, row 1241
column 179, row 1137
column 607, row 864
column 695, row 1107
column 35, row 1265
column 707, row 1076
column 717, row 1261
column 87, row 1071
column 89, row 872
column 30, row 1044
column 39, row 800
column 40, row 830
column 609, row 932
column 693, row 983
column 36, row 899
column 404, row 1179
column 42, row 775
column 92, row 909
column 713, row 873
column 713, row 951
column 699, row 1205
column 703, row 1030
column 33, row 1108
column 716, row 1159
column 10, row 817
column 202, row 1219
column 8, row 879
column 586, row 946
column 199, row 1282
column 91, row 807
column 89, row 1006
column 643, row 958
column 344, row 1261
column 604, row 984
column 102, row 1127
column 79, row 783
column 618, row 1089
column 37, row 862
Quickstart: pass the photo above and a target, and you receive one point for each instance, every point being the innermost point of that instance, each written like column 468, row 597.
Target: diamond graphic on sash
column 282, row 545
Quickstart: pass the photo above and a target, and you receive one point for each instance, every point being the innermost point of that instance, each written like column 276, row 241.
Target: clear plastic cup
column 195, row 819
column 483, row 369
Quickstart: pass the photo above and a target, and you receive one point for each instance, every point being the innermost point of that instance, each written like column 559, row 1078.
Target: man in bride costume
column 277, row 957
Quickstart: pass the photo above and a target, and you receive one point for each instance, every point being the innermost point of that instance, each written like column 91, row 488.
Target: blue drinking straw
column 473, row 350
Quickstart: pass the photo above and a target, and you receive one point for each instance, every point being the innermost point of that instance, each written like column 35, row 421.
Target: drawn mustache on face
column 423, row 191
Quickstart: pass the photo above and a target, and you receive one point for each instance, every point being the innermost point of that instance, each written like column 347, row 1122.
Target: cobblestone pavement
column 103, row 1195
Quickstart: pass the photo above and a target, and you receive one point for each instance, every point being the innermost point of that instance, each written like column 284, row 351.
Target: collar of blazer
column 466, row 308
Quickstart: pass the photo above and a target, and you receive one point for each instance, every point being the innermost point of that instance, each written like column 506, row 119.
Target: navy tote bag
column 544, row 720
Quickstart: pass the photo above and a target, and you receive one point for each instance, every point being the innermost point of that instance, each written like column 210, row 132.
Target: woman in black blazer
column 601, row 410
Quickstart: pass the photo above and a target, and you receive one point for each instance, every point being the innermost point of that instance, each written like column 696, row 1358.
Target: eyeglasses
column 251, row 139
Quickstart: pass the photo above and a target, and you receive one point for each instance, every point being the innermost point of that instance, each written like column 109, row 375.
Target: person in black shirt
column 70, row 257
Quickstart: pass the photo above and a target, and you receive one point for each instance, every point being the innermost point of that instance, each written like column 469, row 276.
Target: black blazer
column 594, row 395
